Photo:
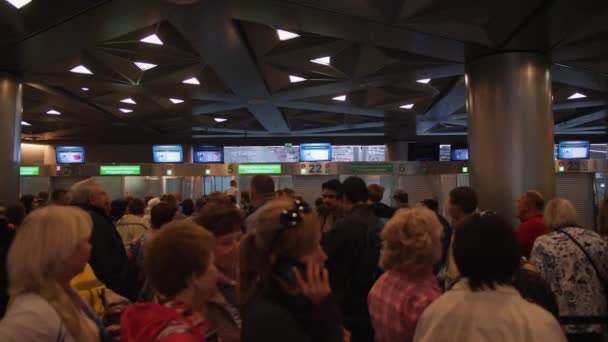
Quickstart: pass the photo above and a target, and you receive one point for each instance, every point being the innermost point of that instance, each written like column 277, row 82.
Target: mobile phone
column 284, row 269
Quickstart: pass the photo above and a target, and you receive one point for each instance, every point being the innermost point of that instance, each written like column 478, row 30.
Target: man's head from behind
column 261, row 189
column 462, row 202
column 530, row 204
column 376, row 192
column 354, row 191
column 330, row 193
column 88, row 192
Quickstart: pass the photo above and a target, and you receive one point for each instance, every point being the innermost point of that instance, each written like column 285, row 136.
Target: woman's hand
column 315, row 286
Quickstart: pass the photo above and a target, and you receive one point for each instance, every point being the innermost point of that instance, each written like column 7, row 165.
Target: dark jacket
column 275, row 316
column 353, row 250
column 382, row 210
column 6, row 238
column 108, row 256
column 445, row 243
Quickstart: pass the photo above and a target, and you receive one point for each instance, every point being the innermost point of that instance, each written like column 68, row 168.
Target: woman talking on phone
column 284, row 287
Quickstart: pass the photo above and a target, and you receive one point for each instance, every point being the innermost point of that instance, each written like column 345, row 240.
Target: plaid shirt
column 397, row 301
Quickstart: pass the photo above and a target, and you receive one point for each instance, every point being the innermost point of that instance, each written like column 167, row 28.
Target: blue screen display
column 168, row 153
column 208, row 154
column 573, row 150
column 459, row 154
column 315, row 152
column 69, row 154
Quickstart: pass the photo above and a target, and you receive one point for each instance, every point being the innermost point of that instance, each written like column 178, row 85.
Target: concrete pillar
column 510, row 129
column 396, row 151
column 10, row 138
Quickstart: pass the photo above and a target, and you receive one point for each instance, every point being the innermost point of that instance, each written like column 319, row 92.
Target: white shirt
column 232, row 191
column 500, row 315
column 30, row 318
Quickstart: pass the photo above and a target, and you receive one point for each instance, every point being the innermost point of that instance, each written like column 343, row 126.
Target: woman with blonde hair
column 574, row 261
column 284, row 288
column 411, row 247
column 50, row 248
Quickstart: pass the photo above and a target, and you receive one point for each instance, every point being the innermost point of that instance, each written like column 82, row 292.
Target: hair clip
column 293, row 216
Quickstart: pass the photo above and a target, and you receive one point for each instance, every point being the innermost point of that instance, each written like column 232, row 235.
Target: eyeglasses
column 328, row 196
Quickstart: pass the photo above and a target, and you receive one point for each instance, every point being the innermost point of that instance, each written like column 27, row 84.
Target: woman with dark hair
column 29, row 203
column 161, row 215
column 188, row 207
column 179, row 265
column 482, row 306
column 9, row 222
column 226, row 224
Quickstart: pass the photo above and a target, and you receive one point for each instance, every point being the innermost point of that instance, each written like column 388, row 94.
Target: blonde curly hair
column 411, row 242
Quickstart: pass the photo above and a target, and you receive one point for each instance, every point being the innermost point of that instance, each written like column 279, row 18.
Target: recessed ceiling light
column 296, row 79
column 144, row 66
column 19, row 3
column 577, row 96
column 220, row 119
column 192, row 80
column 125, row 110
column 339, row 98
column 286, row 35
column 424, row 80
column 85, row 89
column 81, row 69
column 407, row 106
column 53, row 112
column 322, row 60
column 129, row 100
column 176, row 101
column 152, row 39
column 25, row 123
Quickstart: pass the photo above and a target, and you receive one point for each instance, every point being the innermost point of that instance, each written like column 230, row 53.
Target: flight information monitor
column 168, row 153
column 69, row 154
column 208, row 154
column 315, row 152
column 573, row 150
column 459, row 154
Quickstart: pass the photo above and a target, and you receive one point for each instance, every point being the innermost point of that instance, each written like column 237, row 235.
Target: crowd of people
column 263, row 265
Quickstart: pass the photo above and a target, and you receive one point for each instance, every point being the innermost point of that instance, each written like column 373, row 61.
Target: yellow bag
column 90, row 289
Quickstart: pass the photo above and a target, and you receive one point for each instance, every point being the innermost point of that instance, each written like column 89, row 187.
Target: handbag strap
column 597, row 271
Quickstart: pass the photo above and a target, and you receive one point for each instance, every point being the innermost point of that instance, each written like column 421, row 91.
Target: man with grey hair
column 530, row 212
column 108, row 256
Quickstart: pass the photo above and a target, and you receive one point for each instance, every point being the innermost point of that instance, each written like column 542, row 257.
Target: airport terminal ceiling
column 267, row 72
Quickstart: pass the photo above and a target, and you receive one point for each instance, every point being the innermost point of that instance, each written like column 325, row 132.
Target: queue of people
column 271, row 268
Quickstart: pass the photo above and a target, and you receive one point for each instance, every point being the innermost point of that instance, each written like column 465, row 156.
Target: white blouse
column 30, row 318
column 500, row 315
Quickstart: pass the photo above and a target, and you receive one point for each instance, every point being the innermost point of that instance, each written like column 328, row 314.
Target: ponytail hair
column 259, row 249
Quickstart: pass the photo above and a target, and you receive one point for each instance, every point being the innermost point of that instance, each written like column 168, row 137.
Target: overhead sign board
column 371, row 168
column 260, row 169
column 29, row 170
column 120, row 170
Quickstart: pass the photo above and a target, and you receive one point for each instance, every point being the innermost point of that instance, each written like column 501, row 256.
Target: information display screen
column 208, row 154
column 168, row 153
column 315, row 152
column 573, row 150
column 69, row 154
column 459, row 154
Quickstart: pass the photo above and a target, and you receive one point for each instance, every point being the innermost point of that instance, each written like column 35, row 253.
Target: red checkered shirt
column 396, row 302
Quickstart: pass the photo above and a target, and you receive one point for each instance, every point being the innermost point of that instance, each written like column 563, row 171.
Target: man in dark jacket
column 353, row 250
column 108, row 256
column 381, row 210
